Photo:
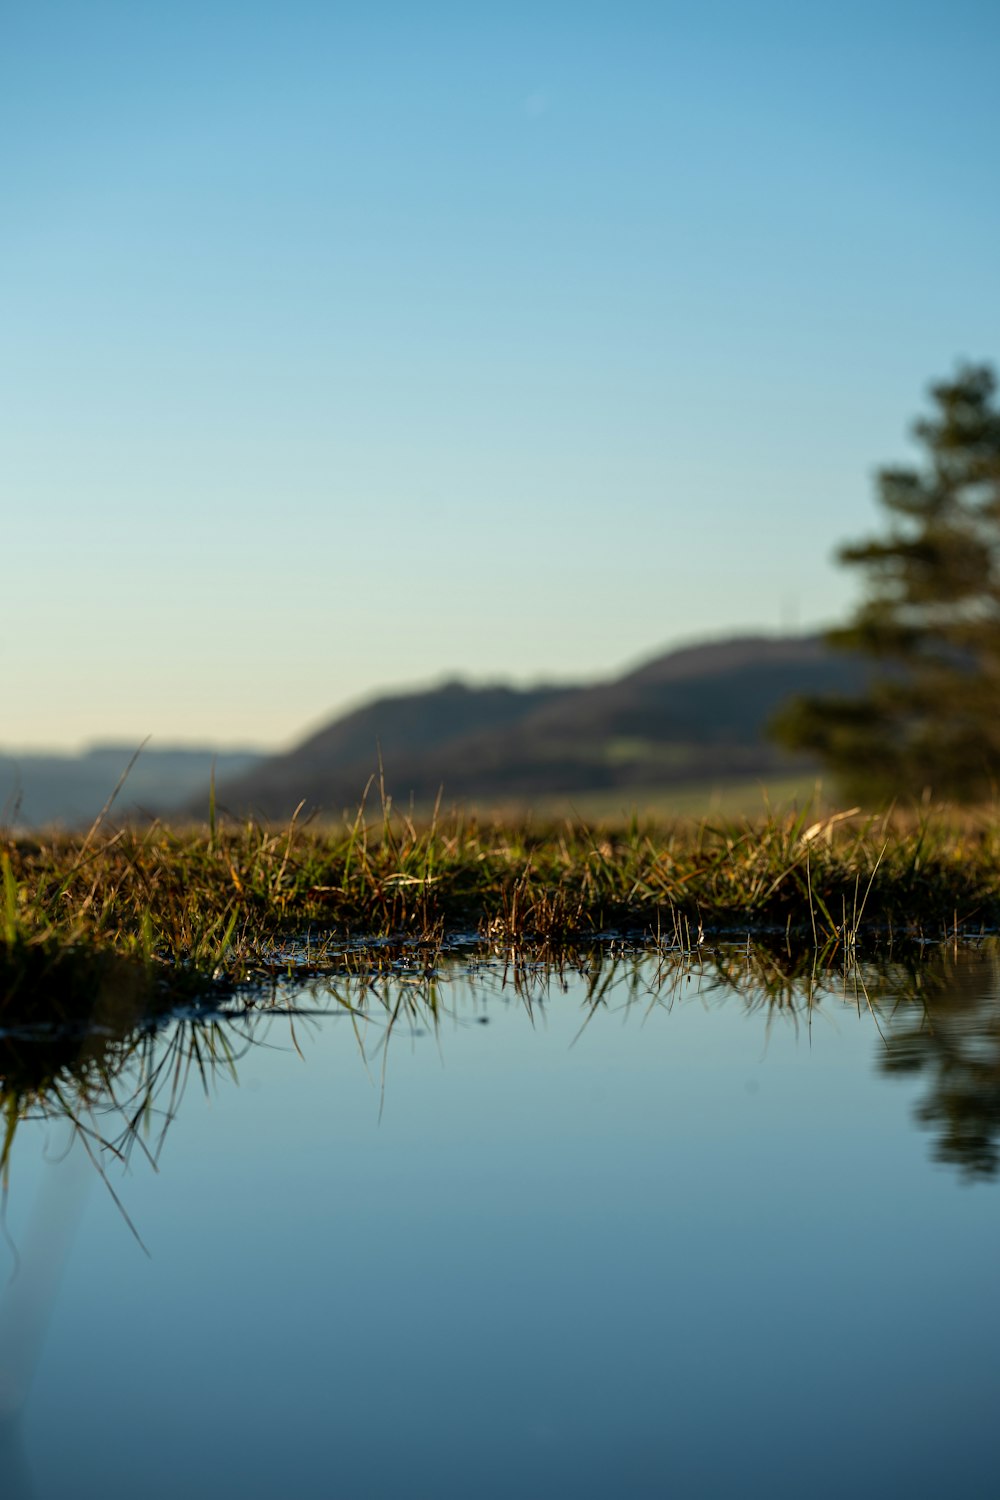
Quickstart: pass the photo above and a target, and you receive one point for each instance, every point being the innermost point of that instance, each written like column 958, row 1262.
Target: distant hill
column 36, row 790
column 692, row 715
column 416, row 732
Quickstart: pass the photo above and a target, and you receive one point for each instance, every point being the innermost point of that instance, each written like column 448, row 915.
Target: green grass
column 185, row 907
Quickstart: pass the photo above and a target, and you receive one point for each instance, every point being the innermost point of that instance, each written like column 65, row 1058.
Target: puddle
column 639, row 1225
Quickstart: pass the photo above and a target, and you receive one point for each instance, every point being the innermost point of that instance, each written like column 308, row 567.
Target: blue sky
column 350, row 346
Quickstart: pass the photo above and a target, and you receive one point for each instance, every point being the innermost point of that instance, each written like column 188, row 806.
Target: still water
column 648, row 1226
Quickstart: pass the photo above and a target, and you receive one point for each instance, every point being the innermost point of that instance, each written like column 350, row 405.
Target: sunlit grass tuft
column 197, row 905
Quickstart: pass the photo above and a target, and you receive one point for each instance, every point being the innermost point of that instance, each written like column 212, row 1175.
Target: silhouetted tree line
column 930, row 617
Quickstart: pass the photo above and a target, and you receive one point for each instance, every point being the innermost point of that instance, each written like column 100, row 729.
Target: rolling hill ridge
column 694, row 715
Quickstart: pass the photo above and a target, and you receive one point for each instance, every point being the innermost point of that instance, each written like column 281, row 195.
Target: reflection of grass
column 120, row 1080
column 77, row 1035
column 934, row 1009
column 117, row 1070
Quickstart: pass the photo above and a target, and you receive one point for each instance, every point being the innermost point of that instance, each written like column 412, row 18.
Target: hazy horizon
column 376, row 691
column 349, row 349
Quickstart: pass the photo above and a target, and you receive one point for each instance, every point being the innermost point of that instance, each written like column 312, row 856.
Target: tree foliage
column 930, row 618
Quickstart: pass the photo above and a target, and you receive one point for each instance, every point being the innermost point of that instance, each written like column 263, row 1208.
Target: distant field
column 731, row 799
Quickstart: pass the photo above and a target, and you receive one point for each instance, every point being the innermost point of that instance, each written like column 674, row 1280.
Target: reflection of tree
column 947, row 1025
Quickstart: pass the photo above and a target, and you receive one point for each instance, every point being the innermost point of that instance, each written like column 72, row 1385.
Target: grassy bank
column 223, row 901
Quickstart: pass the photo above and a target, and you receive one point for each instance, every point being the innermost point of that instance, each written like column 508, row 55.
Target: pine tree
column 930, row 619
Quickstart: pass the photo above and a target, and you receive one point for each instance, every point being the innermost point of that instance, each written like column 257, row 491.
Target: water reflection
column 110, row 1094
column 117, row 1081
column 942, row 1020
